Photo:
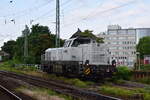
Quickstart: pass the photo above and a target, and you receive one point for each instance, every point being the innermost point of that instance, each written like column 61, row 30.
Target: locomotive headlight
column 108, row 70
column 113, row 63
column 87, row 62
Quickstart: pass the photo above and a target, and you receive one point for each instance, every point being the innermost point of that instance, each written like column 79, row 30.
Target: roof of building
column 3, row 53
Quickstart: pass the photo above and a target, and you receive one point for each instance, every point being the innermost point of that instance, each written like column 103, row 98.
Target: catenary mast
column 57, row 44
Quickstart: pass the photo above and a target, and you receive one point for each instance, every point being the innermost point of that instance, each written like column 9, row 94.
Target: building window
column 122, row 32
column 131, row 31
column 112, row 32
column 113, row 42
column 132, row 38
column 122, row 38
column 120, row 48
column 113, row 48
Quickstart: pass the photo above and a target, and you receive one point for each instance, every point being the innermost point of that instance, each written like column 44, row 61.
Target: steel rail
column 10, row 93
column 59, row 87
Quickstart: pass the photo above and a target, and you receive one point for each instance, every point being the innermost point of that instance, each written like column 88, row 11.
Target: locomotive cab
column 75, row 42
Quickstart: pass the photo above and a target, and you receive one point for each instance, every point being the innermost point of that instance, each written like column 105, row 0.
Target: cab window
column 77, row 42
column 67, row 43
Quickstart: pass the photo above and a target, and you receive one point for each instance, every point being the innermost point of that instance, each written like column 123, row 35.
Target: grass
column 43, row 94
column 115, row 91
column 38, row 93
column 73, row 81
column 145, row 80
column 125, row 93
column 145, row 67
column 8, row 66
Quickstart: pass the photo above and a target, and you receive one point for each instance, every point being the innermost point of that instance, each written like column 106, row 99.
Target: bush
column 124, row 92
column 78, row 83
column 123, row 73
column 145, row 80
column 116, row 91
column 145, row 67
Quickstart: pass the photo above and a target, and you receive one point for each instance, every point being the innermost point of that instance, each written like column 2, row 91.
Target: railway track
column 65, row 89
column 8, row 95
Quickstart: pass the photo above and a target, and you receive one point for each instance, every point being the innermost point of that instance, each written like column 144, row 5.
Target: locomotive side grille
column 98, row 58
column 98, row 54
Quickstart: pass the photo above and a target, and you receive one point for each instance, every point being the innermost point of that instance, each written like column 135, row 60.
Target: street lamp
column 138, row 58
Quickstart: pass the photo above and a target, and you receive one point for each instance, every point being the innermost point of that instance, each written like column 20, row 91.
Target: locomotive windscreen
column 80, row 41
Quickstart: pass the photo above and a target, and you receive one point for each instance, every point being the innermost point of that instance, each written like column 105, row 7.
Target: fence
column 136, row 97
column 141, row 74
column 37, row 66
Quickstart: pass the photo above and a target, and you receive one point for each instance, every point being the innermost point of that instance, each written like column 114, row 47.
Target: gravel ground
column 11, row 84
column 4, row 96
column 132, row 85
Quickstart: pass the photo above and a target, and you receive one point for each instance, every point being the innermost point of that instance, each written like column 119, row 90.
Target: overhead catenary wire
column 41, row 16
column 28, row 10
column 15, row 16
column 13, row 20
column 64, row 5
column 31, row 20
column 22, row 13
column 100, row 13
column 49, row 12
column 107, row 10
column 7, row 20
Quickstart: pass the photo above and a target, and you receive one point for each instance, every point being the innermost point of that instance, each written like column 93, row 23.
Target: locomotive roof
column 50, row 49
column 80, row 35
column 77, row 34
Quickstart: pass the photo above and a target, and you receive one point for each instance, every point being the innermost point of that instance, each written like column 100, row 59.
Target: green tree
column 144, row 46
column 39, row 29
column 19, row 49
column 39, row 39
column 123, row 73
column 8, row 47
column 87, row 33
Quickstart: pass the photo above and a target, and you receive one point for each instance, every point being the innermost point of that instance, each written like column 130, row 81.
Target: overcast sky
column 95, row 15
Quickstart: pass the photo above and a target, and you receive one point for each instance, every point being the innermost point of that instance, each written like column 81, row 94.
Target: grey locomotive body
column 79, row 57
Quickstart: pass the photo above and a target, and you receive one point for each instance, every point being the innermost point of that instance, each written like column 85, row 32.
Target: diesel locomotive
column 79, row 57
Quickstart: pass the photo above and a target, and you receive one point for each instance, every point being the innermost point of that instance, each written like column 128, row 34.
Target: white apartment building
column 122, row 43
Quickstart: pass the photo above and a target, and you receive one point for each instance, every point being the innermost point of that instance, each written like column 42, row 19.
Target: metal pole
column 56, row 26
column 26, row 32
column 139, row 62
column 57, row 23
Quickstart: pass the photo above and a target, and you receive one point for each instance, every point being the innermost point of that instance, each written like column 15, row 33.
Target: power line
column 43, row 15
column 101, row 12
column 23, row 12
column 99, row 5
column 27, row 10
column 107, row 10
column 52, row 10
